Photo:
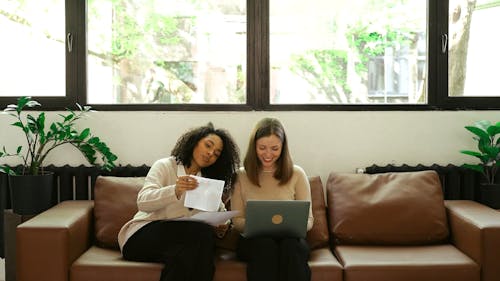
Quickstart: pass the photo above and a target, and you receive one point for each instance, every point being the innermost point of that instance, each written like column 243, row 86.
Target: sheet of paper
column 212, row 218
column 207, row 196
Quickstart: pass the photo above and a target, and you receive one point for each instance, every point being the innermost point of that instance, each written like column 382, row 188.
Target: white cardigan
column 157, row 200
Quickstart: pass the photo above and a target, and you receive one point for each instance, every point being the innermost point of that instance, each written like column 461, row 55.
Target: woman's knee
column 263, row 243
column 259, row 247
column 294, row 245
column 202, row 231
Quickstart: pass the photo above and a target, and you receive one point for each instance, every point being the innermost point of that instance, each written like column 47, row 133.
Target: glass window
column 32, row 52
column 348, row 52
column 251, row 54
column 167, row 52
column 473, row 48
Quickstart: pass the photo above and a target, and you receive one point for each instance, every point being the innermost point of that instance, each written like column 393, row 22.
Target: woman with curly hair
column 185, row 247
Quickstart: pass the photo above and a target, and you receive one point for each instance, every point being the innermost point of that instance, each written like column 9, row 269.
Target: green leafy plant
column 326, row 70
column 41, row 140
column 488, row 143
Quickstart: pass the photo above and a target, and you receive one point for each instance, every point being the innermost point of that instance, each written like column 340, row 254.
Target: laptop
column 276, row 218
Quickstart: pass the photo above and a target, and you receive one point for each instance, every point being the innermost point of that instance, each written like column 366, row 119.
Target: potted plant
column 28, row 195
column 487, row 136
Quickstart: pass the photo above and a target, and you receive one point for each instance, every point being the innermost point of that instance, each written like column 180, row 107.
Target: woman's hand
column 184, row 183
column 221, row 230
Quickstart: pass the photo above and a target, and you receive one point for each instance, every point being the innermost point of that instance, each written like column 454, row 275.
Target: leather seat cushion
column 100, row 264
column 409, row 263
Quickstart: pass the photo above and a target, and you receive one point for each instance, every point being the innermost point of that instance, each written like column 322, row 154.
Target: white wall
column 320, row 142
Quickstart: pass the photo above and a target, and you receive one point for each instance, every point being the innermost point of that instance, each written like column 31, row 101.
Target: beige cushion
column 317, row 237
column 387, row 209
column 115, row 201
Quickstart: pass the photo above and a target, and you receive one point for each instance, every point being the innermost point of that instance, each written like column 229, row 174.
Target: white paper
column 207, row 196
column 212, row 218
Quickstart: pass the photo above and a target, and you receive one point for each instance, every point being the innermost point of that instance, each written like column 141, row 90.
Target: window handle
column 69, row 41
column 444, row 43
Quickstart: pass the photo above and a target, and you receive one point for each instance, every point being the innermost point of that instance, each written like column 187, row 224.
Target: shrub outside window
column 251, row 55
column 172, row 52
column 374, row 54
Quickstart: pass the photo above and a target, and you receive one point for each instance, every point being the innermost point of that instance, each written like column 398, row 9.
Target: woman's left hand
column 221, row 230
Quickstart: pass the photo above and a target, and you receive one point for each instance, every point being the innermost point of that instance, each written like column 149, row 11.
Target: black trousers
column 275, row 259
column 186, row 248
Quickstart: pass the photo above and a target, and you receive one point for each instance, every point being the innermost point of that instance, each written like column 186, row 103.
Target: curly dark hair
column 226, row 165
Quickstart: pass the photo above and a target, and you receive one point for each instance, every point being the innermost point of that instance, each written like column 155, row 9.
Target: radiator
column 70, row 183
column 77, row 183
column 457, row 182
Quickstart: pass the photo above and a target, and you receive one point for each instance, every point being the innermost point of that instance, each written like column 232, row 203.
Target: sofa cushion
column 98, row 264
column 115, row 204
column 408, row 263
column 317, row 237
column 404, row 208
column 115, row 200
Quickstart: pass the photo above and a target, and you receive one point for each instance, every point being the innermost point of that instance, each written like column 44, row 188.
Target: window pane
column 348, row 52
column 166, row 51
column 32, row 53
column 473, row 48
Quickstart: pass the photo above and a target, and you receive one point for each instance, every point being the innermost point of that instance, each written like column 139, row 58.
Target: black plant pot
column 490, row 195
column 31, row 195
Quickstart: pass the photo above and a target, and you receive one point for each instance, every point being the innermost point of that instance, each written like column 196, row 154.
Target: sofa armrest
column 50, row 242
column 475, row 230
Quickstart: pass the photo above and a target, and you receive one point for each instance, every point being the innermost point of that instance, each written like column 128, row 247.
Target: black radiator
column 77, row 183
column 70, row 183
column 457, row 182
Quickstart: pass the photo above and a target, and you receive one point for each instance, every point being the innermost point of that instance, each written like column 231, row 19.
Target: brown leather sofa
column 396, row 226
column 77, row 240
column 393, row 226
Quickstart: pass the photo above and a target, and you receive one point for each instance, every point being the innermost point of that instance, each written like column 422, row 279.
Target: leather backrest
column 115, row 203
column 318, row 237
column 386, row 209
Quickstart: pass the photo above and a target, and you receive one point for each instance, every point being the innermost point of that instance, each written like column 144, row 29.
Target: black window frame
column 258, row 71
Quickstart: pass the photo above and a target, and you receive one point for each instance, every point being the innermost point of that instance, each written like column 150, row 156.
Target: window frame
column 258, row 83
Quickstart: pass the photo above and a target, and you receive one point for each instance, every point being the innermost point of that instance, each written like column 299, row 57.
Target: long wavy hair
column 227, row 163
column 284, row 165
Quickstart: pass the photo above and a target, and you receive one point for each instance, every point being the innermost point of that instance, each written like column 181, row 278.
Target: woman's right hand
column 221, row 230
column 184, row 183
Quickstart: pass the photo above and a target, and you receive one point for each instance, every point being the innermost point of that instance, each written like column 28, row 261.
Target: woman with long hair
column 269, row 174
column 186, row 248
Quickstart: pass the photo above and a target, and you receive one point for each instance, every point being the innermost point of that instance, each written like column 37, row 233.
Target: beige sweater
column 296, row 189
column 157, row 200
